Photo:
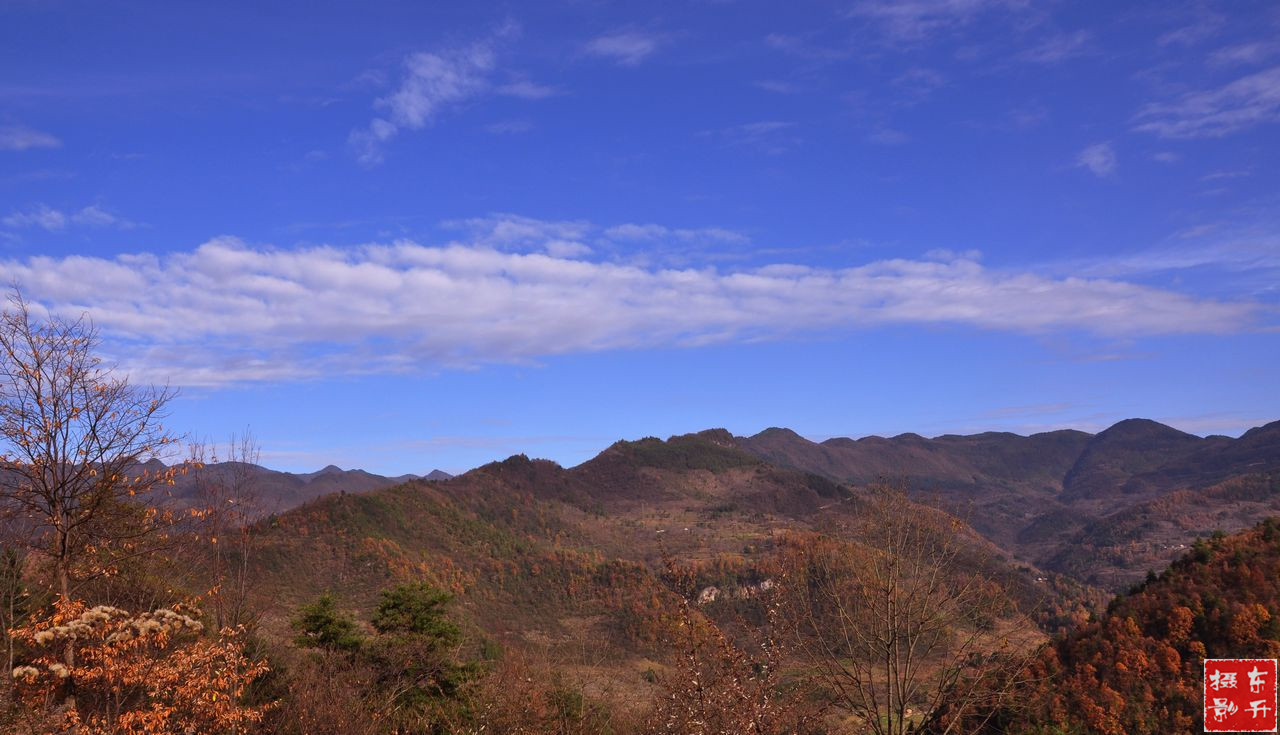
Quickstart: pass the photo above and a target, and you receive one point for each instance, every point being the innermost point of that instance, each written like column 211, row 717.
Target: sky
column 411, row 235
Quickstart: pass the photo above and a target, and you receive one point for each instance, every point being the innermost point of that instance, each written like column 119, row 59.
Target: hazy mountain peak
column 1266, row 430
column 1143, row 428
column 1115, row 457
column 154, row 465
column 777, row 432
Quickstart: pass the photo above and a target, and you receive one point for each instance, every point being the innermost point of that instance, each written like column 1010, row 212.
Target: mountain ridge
column 1042, row 494
column 276, row 491
column 1104, row 508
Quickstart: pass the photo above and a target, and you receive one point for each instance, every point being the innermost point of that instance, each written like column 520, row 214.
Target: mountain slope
column 1117, row 458
column 274, row 491
column 1105, row 508
column 1137, row 670
column 547, row 557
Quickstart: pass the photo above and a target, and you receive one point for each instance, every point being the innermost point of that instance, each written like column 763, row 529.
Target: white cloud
column 53, row 220
column 651, row 232
column 1234, row 259
column 1027, row 116
column 805, row 48
column 916, row 85
column 949, row 255
column 763, row 127
column 228, row 311
column 777, row 87
column 888, row 136
column 1243, row 103
column 39, row 216
column 1226, row 174
column 525, row 89
column 95, row 216
column 912, row 20
column 566, row 249
column 1099, row 158
column 1245, row 53
column 1205, row 25
column 628, row 47
column 770, row 136
column 1249, row 251
column 433, row 82
column 509, row 127
column 526, row 234
column 1058, row 48
column 21, row 138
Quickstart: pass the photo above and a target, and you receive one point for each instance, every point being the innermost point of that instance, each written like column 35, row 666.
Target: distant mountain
column 276, row 491
column 536, row 550
column 1116, row 459
column 1037, row 460
column 1104, row 507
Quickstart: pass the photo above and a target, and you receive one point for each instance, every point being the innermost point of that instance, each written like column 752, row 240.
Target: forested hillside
column 1138, row 669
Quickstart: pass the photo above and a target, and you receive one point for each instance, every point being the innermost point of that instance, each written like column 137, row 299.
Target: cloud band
column 228, row 311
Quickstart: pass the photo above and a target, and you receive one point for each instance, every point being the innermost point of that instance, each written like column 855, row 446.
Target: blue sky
column 402, row 236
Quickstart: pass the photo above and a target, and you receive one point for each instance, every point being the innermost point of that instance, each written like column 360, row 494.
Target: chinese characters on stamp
column 1240, row 695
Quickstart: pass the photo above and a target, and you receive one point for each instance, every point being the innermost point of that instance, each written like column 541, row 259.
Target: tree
column 75, row 438
column 715, row 688
column 904, row 631
column 320, row 625
column 415, row 653
column 14, row 604
column 412, row 664
column 227, row 491
column 330, row 693
column 416, row 609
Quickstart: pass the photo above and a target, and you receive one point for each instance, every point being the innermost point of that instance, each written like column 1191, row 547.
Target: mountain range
column 1103, row 507
column 1101, row 510
column 275, row 491
column 578, row 560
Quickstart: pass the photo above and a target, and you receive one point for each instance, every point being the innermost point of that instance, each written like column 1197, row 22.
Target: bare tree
column 13, row 604
column 75, row 438
column 904, row 630
column 228, row 494
column 715, row 685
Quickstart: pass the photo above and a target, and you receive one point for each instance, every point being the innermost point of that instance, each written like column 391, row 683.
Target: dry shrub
column 523, row 694
column 326, row 695
column 715, row 688
column 131, row 674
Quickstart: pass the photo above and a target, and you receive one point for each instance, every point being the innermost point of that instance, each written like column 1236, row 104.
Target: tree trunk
column 63, row 573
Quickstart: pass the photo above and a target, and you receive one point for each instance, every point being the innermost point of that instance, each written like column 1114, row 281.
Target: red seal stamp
column 1240, row 695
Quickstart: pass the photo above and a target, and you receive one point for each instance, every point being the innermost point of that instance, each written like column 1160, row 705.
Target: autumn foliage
column 133, row 674
column 1137, row 670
